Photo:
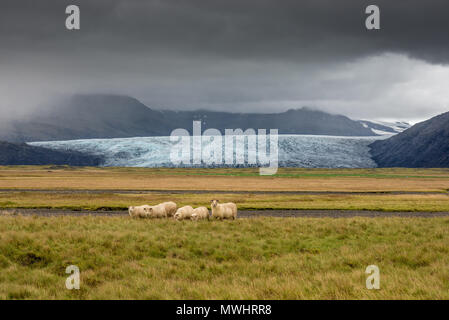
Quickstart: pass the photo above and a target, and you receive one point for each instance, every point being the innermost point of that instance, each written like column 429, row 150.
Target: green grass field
column 287, row 179
column 260, row 258
column 216, row 183
column 250, row 201
column 263, row 258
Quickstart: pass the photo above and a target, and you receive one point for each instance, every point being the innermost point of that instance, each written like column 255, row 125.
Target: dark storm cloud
column 250, row 29
column 229, row 54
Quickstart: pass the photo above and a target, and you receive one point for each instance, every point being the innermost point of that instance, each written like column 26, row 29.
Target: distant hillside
column 384, row 128
column 426, row 144
column 112, row 116
column 22, row 154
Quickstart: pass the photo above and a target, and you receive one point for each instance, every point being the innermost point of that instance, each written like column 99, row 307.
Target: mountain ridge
column 118, row 116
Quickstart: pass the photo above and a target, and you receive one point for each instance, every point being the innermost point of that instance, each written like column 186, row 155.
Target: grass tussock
column 263, row 258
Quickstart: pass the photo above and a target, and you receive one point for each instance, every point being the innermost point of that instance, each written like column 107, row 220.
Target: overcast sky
column 234, row 55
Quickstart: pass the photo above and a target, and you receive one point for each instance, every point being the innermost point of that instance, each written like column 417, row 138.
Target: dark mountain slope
column 22, row 154
column 426, row 144
column 103, row 116
column 298, row 121
column 112, row 116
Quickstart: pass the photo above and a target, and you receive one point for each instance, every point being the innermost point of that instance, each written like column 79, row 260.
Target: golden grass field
column 287, row 179
column 121, row 201
column 217, row 182
column 261, row 258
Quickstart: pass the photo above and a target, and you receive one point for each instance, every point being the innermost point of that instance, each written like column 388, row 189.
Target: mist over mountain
column 115, row 116
column 426, row 144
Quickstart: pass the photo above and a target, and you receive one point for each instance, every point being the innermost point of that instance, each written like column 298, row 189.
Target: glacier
column 307, row 151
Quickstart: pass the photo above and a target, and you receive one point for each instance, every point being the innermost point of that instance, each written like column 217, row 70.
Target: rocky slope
column 426, row 144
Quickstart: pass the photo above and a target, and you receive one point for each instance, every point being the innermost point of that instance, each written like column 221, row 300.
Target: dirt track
column 242, row 214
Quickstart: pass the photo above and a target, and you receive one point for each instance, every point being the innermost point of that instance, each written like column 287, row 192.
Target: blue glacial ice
column 306, row 151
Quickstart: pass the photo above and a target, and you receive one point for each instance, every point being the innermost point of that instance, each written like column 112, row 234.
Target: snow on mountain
column 384, row 127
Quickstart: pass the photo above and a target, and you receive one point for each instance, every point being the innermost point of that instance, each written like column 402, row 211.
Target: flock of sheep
column 170, row 209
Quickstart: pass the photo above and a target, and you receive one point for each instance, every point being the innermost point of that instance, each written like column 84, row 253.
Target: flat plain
column 302, row 189
column 266, row 257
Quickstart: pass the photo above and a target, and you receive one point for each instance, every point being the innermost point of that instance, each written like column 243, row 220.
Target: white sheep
column 157, row 211
column 170, row 208
column 138, row 211
column 200, row 213
column 184, row 213
column 223, row 210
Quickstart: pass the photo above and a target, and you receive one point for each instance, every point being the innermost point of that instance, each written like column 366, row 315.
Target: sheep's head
column 131, row 210
column 194, row 217
column 177, row 216
column 214, row 203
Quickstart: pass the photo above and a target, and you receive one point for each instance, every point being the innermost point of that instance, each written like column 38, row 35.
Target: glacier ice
column 308, row 151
